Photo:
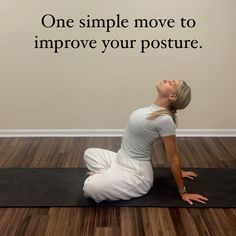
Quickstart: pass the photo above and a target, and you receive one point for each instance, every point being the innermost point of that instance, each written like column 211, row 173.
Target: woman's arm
column 173, row 160
column 175, row 165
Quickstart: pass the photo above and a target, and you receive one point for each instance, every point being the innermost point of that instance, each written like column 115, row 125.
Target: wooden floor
column 68, row 152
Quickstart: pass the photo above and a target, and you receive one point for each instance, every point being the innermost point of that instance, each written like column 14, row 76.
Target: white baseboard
column 206, row 132
column 108, row 132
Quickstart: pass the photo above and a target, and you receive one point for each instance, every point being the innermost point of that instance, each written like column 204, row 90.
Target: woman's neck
column 162, row 102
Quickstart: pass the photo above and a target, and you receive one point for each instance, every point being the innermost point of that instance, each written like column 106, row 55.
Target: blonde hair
column 183, row 95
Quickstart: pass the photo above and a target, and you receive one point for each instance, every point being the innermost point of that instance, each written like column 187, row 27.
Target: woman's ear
column 172, row 98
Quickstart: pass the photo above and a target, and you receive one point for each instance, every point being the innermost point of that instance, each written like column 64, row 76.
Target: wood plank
column 68, row 152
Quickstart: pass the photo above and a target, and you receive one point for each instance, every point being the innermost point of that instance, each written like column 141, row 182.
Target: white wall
column 85, row 89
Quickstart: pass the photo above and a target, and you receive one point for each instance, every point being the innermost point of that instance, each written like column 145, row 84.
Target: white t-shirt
column 140, row 133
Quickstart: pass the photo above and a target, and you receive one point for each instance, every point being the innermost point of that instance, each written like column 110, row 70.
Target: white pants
column 117, row 176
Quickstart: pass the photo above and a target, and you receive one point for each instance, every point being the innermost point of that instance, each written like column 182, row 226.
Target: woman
column 128, row 173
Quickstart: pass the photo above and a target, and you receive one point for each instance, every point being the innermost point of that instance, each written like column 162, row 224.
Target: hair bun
column 173, row 111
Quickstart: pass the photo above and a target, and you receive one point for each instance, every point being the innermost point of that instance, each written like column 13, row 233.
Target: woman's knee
column 89, row 154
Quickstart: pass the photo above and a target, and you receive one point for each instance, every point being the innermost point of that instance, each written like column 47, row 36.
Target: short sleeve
column 165, row 125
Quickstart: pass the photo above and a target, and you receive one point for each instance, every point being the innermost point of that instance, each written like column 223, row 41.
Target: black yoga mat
column 62, row 187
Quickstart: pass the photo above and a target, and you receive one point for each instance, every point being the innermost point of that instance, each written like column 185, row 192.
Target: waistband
column 122, row 154
column 142, row 169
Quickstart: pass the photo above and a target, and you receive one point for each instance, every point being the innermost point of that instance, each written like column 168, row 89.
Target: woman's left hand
column 188, row 174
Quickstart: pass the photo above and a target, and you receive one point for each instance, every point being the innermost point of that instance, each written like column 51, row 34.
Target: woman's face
column 168, row 87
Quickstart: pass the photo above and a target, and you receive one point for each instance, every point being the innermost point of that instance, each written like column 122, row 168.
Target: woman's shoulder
column 165, row 125
column 165, row 119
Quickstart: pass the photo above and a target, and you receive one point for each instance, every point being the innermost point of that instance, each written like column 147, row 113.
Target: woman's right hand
column 190, row 197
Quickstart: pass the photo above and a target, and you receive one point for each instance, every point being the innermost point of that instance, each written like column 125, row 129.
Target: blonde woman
column 128, row 173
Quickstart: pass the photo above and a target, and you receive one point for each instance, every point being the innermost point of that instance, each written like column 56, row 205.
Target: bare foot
column 90, row 173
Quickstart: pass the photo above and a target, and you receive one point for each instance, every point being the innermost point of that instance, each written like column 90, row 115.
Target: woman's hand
column 189, row 197
column 188, row 174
